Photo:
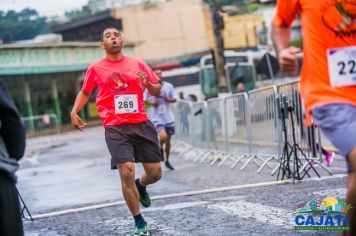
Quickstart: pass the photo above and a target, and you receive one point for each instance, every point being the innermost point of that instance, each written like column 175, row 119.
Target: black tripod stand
column 290, row 151
column 23, row 207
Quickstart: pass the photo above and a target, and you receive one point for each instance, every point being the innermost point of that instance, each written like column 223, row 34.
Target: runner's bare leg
column 152, row 174
column 351, row 193
column 129, row 190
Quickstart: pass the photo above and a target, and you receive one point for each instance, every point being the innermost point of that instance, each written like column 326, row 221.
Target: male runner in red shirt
column 129, row 135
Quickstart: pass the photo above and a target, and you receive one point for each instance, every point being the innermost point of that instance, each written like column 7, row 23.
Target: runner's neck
column 114, row 57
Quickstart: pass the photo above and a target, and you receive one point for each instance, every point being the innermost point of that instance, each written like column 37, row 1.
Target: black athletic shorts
column 133, row 142
column 169, row 129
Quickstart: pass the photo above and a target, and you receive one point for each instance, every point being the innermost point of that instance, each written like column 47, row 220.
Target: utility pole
column 218, row 26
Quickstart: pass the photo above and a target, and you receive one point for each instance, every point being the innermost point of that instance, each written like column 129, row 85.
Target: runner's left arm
column 149, row 79
column 155, row 89
column 171, row 97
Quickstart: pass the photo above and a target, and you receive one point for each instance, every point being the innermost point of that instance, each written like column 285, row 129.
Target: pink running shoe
column 329, row 158
column 313, row 164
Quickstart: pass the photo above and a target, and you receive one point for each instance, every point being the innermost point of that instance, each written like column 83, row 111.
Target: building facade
column 45, row 78
column 168, row 29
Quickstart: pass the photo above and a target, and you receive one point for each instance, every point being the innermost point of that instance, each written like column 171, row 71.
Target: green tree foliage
column 95, row 6
column 84, row 11
column 241, row 4
column 227, row 2
column 22, row 25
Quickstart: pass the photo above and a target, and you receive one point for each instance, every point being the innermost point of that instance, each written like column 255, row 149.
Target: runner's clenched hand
column 143, row 77
column 77, row 122
column 288, row 59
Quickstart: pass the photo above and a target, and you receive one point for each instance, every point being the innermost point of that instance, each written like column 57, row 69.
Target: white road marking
column 306, row 179
column 32, row 159
column 230, row 198
column 338, row 193
column 124, row 226
column 173, row 195
column 182, row 194
column 175, row 206
column 257, row 212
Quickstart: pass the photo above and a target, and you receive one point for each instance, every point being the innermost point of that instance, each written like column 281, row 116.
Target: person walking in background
column 314, row 146
column 12, row 148
column 240, row 87
column 183, row 112
column 306, row 125
column 129, row 135
column 328, row 77
column 162, row 116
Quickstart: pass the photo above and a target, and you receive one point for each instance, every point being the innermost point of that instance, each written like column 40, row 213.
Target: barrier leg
column 237, row 161
column 248, row 161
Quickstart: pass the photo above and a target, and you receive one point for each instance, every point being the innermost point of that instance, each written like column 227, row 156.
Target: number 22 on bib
column 342, row 66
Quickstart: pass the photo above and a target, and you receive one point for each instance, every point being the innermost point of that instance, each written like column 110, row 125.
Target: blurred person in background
column 12, row 148
column 162, row 116
column 183, row 112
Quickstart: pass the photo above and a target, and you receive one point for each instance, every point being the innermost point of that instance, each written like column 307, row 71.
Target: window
column 235, row 59
column 209, row 82
column 240, row 74
column 183, row 79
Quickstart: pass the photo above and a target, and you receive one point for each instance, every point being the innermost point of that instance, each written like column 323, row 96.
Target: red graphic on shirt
column 119, row 81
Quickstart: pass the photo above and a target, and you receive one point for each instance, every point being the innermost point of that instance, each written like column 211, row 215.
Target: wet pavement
column 68, row 172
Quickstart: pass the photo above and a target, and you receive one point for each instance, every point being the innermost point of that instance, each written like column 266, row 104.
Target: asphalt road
column 69, row 188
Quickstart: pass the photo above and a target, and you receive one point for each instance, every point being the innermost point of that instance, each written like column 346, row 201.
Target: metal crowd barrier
column 264, row 128
column 236, row 129
column 41, row 125
column 245, row 128
column 189, row 120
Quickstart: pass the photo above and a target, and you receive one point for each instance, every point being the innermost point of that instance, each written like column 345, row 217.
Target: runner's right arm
column 80, row 101
column 83, row 98
column 286, row 12
column 287, row 56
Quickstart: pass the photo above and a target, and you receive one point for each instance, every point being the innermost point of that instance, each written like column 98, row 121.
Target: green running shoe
column 144, row 197
column 141, row 229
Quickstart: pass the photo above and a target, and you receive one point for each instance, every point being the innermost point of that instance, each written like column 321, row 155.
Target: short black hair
column 108, row 27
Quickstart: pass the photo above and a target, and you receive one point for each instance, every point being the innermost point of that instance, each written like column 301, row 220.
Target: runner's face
column 159, row 74
column 112, row 41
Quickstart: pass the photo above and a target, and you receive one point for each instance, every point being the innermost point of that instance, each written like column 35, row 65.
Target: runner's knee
column 127, row 173
column 156, row 174
column 162, row 136
column 351, row 187
column 352, row 159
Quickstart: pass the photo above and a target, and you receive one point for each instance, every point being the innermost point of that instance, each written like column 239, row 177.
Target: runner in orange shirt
column 328, row 77
column 129, row 135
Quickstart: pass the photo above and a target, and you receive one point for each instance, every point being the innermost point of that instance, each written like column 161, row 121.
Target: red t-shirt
column 120, row 91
